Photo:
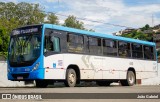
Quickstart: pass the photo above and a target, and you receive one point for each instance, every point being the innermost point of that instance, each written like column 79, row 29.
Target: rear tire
column 131, row 79
column 41, row 83
column 71, row 78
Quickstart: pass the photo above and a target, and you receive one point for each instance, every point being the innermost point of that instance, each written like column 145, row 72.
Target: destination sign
column 27, row 30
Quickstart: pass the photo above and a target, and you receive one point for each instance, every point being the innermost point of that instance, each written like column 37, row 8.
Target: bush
column 3, row 56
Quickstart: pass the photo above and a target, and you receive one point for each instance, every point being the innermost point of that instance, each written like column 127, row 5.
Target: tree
column 4, row 39
column 146, row 27
column 5, row 29
column 72, row 22
column 7, row 10
column 138, row 35
column 52, row 18
column 23, row 12
column 29, row 13
column 141, row 35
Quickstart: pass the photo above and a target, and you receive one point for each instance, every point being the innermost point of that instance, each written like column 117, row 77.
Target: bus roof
column 98, row 34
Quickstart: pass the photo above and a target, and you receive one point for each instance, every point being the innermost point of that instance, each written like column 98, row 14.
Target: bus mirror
column 45, row 50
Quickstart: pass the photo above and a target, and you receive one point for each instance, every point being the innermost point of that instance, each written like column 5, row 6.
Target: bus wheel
column 41, row 83
column 71, row 78
column 103, row 83
column 131, row 79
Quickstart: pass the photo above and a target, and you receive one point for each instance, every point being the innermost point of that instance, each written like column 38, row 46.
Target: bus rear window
column 148, row 52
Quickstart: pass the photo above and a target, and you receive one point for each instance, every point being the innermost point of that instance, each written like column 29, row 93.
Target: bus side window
column 48, row 44
column 124, row 49
column 137, row 51
column 109, row 47
column 95, row 46
column 56, row 46
column 52, row 44
column 75, row 43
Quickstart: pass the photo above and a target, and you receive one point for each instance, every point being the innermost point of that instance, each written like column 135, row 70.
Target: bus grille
column 25, row 75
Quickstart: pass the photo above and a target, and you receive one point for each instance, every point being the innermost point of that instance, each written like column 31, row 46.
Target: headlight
column 36, row 66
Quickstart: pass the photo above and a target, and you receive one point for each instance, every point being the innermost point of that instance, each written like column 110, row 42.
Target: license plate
column 19, row 78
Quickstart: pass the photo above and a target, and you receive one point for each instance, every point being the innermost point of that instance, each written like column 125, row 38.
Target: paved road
column 61, row 89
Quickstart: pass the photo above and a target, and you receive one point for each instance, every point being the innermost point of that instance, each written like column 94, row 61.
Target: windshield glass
column 24, row 49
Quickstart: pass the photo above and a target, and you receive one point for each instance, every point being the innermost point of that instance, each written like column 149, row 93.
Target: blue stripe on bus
column 98, row 34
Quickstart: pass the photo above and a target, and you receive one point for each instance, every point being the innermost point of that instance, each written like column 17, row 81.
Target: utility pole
column 154, row 35
column 58, row 2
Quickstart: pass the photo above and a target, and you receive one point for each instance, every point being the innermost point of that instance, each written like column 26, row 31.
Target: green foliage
column 91, row 30
column 24, row 13
column 146, row 27
column 72, row 22
column 140, row 34
column 4, row 39
column 30, row 13
column 52, row 18
column 3, row 55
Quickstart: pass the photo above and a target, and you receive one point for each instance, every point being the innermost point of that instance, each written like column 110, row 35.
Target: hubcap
column 131, row 79
column 71, row 78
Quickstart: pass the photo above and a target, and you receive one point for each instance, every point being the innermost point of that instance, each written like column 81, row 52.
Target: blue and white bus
column 49, row 53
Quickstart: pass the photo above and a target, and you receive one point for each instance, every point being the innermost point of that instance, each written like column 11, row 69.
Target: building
column 126, row 31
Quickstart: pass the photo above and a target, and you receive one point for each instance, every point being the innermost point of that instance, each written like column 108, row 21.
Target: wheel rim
column 131, row 79
column 71, row 78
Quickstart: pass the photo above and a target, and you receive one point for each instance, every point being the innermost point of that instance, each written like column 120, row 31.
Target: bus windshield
column 24, row 49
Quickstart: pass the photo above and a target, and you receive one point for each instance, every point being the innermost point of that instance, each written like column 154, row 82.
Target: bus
column 48, row 53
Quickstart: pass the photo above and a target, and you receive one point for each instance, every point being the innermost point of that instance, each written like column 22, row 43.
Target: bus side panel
column 97, row 67
column 54, row 67
column 143, row 68
column 151, row 69
column 83, row 62
column 96, row 64
column 138, row 66
column 116, row 68
column 112, row 67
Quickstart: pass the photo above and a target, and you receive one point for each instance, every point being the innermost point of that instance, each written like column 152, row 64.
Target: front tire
column 131, row 79
column 71, row 78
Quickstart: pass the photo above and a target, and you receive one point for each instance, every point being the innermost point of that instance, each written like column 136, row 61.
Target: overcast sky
column 130, row 13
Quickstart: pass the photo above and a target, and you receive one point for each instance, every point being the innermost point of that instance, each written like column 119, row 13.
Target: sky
column 112, row 14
